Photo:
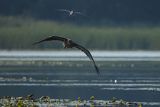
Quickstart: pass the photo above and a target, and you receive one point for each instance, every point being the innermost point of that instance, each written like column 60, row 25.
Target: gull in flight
column 71, row 12
column 68, row 43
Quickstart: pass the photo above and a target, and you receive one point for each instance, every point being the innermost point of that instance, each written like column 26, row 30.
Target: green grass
column 21, row 32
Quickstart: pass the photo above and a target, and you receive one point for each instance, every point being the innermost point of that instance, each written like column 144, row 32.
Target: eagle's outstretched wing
column 87, row 53
column 72, row 44
column 51, row 38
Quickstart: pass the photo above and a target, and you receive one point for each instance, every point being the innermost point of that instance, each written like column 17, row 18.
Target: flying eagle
column 68, row 43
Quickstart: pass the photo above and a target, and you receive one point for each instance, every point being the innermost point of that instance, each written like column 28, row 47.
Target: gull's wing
column 87, row 53
column 63, row 10
column 50, row 39
column 80, row 13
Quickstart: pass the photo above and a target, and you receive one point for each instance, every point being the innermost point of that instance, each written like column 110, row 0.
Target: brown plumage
column 68, row 43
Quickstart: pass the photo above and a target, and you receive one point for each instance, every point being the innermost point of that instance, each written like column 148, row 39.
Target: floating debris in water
column 46, row 101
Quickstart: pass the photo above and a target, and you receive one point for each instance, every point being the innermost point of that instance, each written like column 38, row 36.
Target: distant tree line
column 104, row 11
column 20, row 33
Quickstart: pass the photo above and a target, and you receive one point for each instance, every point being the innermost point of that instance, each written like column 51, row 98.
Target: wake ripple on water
column 140, row 89
column 145, row 85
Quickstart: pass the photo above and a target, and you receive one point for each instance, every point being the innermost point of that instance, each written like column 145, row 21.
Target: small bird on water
column 68, row 43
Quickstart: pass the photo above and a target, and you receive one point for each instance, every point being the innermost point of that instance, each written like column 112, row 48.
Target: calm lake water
column 128, row 75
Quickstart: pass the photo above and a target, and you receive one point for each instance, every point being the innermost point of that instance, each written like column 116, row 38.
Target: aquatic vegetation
column 92, row 98
column 46, row 101
column 113, row 99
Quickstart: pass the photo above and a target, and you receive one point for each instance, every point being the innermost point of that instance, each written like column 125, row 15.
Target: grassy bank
column 20, row 33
